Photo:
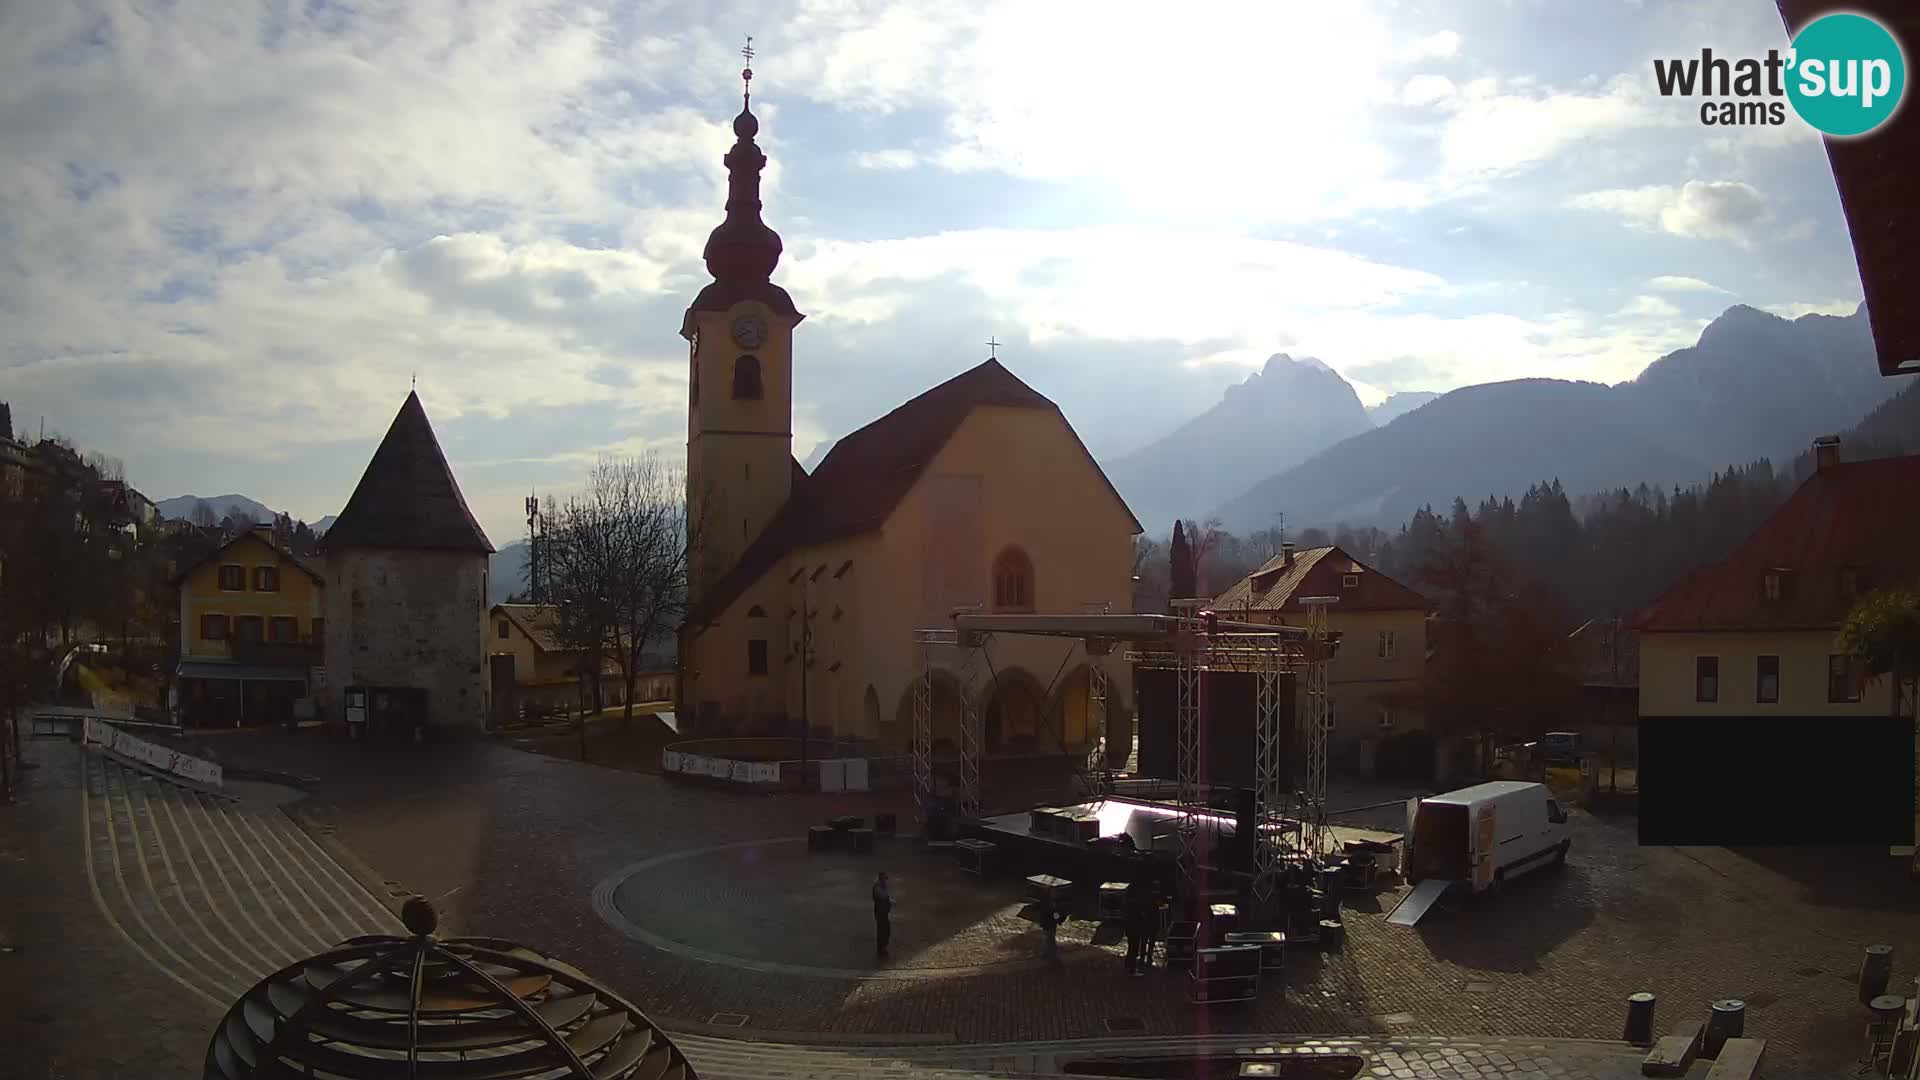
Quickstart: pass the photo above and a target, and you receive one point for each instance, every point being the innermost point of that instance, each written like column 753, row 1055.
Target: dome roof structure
column 421, row 1007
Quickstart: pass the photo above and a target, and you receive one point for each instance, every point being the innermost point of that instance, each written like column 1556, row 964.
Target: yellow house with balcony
column 251, row 628
column 1381, row 625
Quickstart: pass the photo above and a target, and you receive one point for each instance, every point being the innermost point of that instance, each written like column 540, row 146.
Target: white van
column 1484, row 834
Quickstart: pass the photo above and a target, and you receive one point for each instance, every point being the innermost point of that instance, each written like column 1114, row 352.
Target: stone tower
column 406, row 596
column 740, row 393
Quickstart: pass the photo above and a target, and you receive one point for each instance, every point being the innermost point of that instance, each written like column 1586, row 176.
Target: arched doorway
column 946, row 714
column 1012, row 721
column 870, row 715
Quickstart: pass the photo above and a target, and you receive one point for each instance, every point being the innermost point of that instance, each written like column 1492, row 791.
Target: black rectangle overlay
column 1766, row 781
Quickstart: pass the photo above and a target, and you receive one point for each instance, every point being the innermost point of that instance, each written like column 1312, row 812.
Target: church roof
column 867, row 474
column 408, row 498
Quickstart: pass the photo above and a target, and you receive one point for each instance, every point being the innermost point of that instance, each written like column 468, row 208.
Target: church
column 805, row 589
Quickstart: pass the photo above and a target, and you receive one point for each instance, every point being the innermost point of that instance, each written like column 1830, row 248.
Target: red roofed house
column 1755, row 633
column 1383, row 635
column 977, row 492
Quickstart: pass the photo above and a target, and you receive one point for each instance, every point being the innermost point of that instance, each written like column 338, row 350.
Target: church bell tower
column 739, row 332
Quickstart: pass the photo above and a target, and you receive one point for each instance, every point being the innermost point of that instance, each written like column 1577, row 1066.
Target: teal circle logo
column 1846, row 74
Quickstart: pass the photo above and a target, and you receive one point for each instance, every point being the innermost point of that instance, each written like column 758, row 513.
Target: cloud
column 1822, row 307
column 1730, row 210
column 1681, row 283
column 1424, row 90
column 1103, row 283
column 1649, row 307
column 887, row 159
column 1440, row 46
column 1498, row 129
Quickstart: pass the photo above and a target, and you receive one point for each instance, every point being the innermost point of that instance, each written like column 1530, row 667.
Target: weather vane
column 746, row 73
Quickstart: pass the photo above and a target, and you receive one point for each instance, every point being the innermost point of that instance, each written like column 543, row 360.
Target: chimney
column 1286, row 554
column 1826, row 452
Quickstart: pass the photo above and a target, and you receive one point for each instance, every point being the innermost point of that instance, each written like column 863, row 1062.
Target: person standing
column 882, row 912
column 1136, row 924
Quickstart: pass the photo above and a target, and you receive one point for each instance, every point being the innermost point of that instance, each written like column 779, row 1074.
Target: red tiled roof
column 1862, row 516
column 1318, row 572
column 864, row 477
column 1878, row 202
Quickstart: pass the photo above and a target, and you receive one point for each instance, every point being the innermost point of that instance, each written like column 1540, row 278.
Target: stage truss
column 1292, row 824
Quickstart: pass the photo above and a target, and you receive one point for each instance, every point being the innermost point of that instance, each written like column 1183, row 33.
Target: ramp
column 1411, row 909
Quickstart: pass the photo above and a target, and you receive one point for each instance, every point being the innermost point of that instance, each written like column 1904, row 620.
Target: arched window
column 746, row 378
column 756, row 612
column 1013, row 581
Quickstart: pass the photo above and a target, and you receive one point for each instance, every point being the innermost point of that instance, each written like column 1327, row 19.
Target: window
column 1330, row 715
column 1706, row 678
column 757, row 656
column 1554, row 813
column 1766, row 683
column 283, row 630
column 1849, row 583
column 266, row 579
column 1386, row 718
column 233, row 578
column 319, row 630
column 756, row 612
column 213, row 628
column 501, row 630
column 1844, row 679
column 1386, row 646
column 693, row 392
column 746, row 378
column 1350, row 581
column 246, row 628
column 1013, row 581
column 1770, row 587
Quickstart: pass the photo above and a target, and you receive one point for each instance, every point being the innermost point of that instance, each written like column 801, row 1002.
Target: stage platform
column 1056, row 839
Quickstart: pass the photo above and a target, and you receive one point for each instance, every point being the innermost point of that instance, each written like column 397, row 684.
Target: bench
column 1739, row 1060
column 1673, row 1055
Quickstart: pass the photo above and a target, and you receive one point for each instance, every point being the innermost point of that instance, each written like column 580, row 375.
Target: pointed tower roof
column 408, row 498
column 742, row 250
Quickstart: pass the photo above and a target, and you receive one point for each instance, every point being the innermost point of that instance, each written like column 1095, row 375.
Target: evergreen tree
column 1181, row 571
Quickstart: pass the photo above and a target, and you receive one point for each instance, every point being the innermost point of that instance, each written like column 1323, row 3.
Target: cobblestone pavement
column 520, row 842
column 178, row 900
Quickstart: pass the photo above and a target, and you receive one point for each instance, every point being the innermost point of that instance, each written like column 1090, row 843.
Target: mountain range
column 180, row 508
column 1284, row 413
column 1754, row 385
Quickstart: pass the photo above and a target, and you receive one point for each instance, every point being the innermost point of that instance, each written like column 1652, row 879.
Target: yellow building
column 527, row 658
column 1382, row 629
column 1754, row 637
column 251, row 627
column 975, row 493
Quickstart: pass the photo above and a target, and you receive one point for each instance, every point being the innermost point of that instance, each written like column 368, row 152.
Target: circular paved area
column 517, row 844
column 773, row 906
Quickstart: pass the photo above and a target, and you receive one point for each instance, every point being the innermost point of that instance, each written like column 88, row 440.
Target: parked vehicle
column 1560, row 748
column 1477, row 837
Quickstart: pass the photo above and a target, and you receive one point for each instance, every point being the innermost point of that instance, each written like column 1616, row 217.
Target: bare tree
column 616, row 563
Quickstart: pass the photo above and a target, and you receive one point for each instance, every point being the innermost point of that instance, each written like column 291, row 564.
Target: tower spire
column 743, row 249
column 746, row 76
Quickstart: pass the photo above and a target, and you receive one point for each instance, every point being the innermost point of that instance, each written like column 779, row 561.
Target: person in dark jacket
column 1137, row 908
column 882, row 912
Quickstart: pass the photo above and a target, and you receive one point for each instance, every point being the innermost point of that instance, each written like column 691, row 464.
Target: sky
column 233, row 235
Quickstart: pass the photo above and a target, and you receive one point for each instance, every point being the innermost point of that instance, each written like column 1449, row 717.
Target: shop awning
column 214, row 669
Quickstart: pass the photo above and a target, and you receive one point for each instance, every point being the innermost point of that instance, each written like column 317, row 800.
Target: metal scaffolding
column 1190, row 648
column 1291, row 825
column 923, row 726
